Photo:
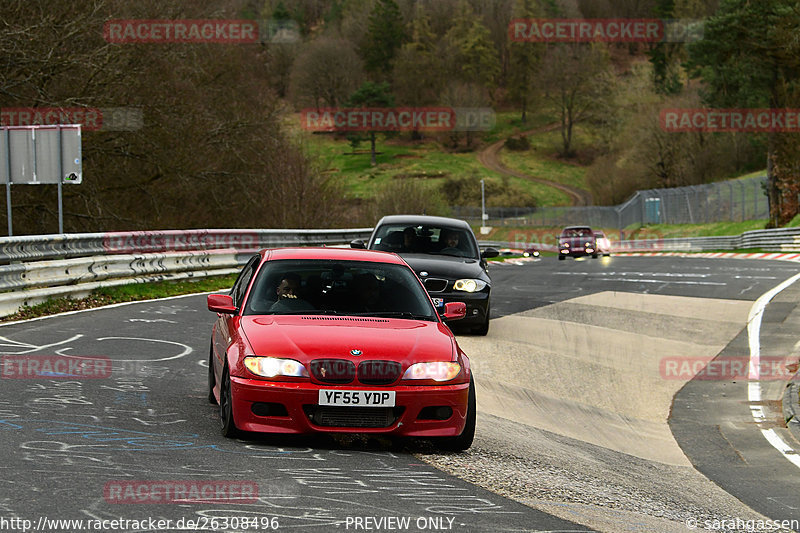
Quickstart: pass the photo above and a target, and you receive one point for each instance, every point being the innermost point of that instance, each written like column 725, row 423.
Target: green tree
column 523, row 59
column 418, row 69
column 475, row 58
column 385, row 35
column 749, row 58
column 665, row 56
column 372, row 94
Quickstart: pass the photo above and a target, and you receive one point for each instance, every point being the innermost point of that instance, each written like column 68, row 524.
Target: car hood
column 443, row 266
column 307, row 337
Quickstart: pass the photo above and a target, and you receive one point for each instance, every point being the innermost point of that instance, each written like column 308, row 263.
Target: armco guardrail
column 74, row 265
column 42, row 247
column 770, row 240
column 99, row 268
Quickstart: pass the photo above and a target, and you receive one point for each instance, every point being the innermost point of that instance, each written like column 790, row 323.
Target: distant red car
column 338, row 340
column 577, row 241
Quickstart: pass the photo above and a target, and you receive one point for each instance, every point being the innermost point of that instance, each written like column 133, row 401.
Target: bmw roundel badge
column 356, row 352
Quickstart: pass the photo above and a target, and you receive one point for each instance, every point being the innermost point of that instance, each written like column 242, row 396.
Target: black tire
column 463, row 441
column 212, row 380
column 594, row 256
column 483, row 329
column 227, row 425
column 561, row 257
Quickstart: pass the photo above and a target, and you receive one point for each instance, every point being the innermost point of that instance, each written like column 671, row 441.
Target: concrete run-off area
column 573, row 407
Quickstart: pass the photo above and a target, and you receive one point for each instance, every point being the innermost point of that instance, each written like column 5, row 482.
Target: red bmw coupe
column 342, row 341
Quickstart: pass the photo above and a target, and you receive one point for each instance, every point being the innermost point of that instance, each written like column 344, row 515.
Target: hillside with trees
column 221, row 144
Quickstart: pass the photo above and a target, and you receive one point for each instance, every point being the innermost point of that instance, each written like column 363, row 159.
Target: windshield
column 358, row 288
column 419, row 239
column 576, row 232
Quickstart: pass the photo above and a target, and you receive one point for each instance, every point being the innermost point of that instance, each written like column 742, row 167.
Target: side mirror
column 221, row 303
column 454, row 310
column 489, row 252
column 358, row 243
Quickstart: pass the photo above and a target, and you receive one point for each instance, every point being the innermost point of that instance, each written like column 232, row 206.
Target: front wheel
column 464, row 441
column 561, row 257
column 227, row 425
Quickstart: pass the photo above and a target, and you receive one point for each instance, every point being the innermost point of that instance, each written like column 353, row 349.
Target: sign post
column 34, row 155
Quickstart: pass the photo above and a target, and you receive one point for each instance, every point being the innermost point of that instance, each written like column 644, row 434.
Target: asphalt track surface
column 68, row 444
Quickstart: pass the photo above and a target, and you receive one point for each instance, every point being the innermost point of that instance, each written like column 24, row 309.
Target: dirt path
column 489, row 157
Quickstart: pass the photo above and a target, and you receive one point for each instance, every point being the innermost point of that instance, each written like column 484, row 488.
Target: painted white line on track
column 754, row 387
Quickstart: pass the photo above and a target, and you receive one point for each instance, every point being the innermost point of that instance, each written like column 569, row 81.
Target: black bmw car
column 445, row 255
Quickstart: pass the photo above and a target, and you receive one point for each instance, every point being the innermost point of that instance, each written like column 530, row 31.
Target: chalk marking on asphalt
column 754, row 386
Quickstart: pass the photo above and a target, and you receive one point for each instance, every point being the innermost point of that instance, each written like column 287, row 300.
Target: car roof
column 329, row 253
column 578, row 227
column 424, row 220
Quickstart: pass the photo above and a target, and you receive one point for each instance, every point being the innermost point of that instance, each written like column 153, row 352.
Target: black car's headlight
column 469, row 285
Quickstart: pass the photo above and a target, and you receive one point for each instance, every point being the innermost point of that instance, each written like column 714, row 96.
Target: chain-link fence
column 725, row 201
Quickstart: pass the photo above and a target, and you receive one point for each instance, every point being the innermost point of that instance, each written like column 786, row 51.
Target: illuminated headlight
column 469, row 285
column 270, row 367
column 439, row 371
column 565, row 244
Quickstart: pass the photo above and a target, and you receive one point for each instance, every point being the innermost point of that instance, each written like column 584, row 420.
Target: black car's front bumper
column 477, row 305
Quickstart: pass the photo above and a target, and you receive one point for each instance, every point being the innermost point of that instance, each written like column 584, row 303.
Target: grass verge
column 123, row 293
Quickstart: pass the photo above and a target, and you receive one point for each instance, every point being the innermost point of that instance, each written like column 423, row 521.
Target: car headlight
column 438, row 371
column 469, row 285
column 271, row 367
column 565, row 244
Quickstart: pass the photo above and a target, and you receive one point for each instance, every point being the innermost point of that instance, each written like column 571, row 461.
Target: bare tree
column 213, row 151
column 573, row 78
column 325, row 73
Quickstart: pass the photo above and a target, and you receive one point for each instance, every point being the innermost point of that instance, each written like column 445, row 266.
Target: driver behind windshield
column 450, row 243
column 287, row 292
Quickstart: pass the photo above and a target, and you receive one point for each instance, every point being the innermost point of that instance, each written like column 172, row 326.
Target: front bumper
column 577, row 251
column 477, row 305
column 302, row 412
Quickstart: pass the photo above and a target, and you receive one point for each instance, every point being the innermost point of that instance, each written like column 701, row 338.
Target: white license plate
column 360, row 398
